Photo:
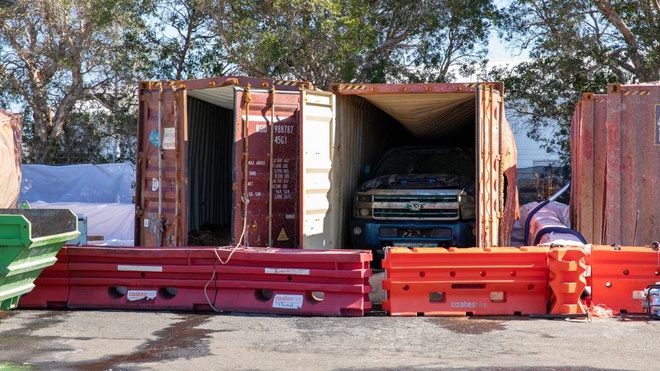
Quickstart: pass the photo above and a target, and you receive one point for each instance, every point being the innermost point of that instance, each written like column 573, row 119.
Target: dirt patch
column 210, row 235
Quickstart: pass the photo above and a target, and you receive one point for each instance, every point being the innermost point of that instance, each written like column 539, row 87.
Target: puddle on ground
column 18, row 338
column 467, row 325
column 180, row 340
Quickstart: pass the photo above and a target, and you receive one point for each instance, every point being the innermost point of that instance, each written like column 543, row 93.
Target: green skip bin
column 29, row 241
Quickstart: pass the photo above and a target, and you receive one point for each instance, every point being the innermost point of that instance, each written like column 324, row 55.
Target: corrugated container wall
column 588, row 158
column 10, row 158
column 615, row 161
column 632, row 216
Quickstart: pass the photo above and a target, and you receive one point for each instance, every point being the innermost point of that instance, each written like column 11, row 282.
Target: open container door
column 318, row 210
column 490, row 167
column 160, row 183
column 266, row 188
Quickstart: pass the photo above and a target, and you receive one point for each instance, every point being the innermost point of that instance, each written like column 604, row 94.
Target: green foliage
column 325, row 41
column 73, row 65
column 184, row 44
column 58, row 54
column 455, row 33
column 91, row 137
column 575, row 47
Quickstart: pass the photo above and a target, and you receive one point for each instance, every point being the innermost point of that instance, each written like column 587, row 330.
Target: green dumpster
column 29, row 241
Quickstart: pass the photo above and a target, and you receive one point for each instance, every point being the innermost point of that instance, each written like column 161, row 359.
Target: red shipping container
column 631, row 216
column 588, row 159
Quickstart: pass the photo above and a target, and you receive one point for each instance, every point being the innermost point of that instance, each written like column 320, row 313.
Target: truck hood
column 420, row 181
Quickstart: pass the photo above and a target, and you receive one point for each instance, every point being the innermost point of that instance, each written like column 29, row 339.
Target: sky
column 500, row 53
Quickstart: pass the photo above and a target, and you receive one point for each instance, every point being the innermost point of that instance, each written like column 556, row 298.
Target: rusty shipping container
column 372, row 118
column 10, row 158
column 276, row 163
column 588, row 160
column 631, row 215
column 224, row 155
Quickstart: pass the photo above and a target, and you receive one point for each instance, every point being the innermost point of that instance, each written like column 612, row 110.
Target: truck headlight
column 467, row 207
column 364, row 212
column 357, row 231
column 363, row 198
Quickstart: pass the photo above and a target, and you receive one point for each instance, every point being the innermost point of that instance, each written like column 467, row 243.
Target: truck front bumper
column 374, row 235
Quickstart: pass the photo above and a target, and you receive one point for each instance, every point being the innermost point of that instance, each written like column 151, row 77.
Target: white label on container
column 169, row 138
column 288, row 301
column 154, row 184
column 137, row 295
column 297, row 272
column 139, row 268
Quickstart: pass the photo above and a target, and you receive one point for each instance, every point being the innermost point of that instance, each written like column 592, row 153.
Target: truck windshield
column 450, row 161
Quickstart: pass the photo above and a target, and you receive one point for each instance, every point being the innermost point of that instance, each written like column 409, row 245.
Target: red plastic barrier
column 301, row 282
column 141, row 278
column 466, row 281
column 619, row 275
column 260, row 280
column 567, row 282
column 51, row 286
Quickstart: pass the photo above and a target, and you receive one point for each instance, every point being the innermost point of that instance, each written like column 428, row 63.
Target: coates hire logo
column 141, row 295
column 468, row 304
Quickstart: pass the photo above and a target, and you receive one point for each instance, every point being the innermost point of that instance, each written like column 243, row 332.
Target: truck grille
column 413, row 207
column 415, row 198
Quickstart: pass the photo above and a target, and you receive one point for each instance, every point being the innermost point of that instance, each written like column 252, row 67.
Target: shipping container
column 588, row 159
column 276, row 163
column 10, row 158
column 631, row 215
column 220, row 157
column 372, row 118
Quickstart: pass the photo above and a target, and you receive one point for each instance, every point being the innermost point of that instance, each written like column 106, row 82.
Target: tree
column 56, row 54
column 575, row 47
column 184, row 42
column 454, row 33
column 325, row 41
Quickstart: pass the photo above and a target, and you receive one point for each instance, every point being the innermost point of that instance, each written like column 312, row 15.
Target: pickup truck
column 416, row 196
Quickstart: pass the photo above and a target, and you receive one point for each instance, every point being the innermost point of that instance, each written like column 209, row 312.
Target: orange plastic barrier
column 620, row 274
column 51, row 288
column 566, row 280
column 292, row 281
column 466, row 281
